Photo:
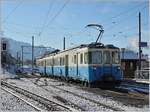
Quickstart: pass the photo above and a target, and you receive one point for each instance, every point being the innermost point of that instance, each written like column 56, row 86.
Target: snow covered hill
column 15, row 46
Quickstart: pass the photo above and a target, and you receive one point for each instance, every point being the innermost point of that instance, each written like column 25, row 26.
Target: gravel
column 12, row 103
column 108, row 101
column 49, row 92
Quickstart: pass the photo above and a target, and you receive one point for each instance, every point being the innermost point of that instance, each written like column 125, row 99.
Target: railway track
column 17, row 96
column 44, row 102
column 82, row 97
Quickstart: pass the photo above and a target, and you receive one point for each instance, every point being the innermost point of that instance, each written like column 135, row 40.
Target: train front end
column 105, row 66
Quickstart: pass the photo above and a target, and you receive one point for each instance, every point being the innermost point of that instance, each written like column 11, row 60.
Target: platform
column 144, row 81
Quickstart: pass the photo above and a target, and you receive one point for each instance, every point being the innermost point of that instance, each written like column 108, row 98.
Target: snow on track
column 11, row 103
column 51, row 92
column 77, row 91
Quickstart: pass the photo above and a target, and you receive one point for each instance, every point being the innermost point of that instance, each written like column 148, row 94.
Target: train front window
column 115, row 57
column 95, row 57
column 106, row 57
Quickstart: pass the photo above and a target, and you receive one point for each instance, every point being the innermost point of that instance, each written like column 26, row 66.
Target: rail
column 48, row 104
column 35, row 107
column 83, row 97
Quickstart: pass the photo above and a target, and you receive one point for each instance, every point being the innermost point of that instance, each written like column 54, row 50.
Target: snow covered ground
column 12, row 103
column 45, row 89
column 4, row 74
column 54, row 89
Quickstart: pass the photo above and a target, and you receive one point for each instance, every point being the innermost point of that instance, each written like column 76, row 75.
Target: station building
column 130, row 62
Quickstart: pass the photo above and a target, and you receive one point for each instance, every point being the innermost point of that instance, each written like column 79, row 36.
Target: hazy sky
column 51, row 20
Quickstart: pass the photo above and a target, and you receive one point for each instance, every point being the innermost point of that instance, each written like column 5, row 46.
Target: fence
column 142, row 74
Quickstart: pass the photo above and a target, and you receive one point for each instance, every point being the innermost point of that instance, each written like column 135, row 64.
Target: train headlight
column 94, row 67
column 118, row 68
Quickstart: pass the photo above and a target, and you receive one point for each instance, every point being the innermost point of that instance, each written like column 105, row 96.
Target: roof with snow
column 129, row 54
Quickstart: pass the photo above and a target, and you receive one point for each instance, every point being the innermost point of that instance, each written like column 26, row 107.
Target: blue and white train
column 95, row 64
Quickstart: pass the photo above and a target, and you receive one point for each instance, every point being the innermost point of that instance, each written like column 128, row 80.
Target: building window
column 131, row 65
column 123, row 65
column 4, row 46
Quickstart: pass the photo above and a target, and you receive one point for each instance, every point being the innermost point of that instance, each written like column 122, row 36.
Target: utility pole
column 0, row 38
column 32, row 53
column 140, row 51
column 22, row 55
column 17, row 60
column 64, row 41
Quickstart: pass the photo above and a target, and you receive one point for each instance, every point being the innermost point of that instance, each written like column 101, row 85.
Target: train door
column 66, row 65
column 45, row 67
column 77, row 65
column 52, row 66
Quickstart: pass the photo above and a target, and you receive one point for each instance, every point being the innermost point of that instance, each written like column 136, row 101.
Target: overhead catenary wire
column 124, row 12
column 131, row 10
column 124, row 34
column 125, row 18
column 46, row 17
column 121, row 13
column 55, row 16
column 12, row 11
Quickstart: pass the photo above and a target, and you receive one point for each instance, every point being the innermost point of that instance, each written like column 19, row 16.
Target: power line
column 13, row 10
column 127, row 17
column 55, row 16
column 128, row 29
column 46, row 17
column 120, row 14
column 124, row 12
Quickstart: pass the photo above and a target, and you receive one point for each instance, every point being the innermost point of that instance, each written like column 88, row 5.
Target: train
column 94, row 64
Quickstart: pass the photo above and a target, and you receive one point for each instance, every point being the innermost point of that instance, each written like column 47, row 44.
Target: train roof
column 91, row 45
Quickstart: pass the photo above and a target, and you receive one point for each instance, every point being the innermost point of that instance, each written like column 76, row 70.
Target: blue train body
column 72, row 64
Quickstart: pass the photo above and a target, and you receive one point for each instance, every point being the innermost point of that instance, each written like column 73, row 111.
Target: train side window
column 46, row 63
column 72, row 59
column 42, row 63
column 49, row 62
column 75, row 59
column 85, row 58
column 106, row 57
column 81, row 58
column 61, row 61
column 58, row 62
column 55, row 62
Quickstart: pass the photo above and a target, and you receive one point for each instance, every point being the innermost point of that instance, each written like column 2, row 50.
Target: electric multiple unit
column 95, row 64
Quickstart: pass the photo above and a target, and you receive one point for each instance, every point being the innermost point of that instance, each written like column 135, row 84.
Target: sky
column 49, row 21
